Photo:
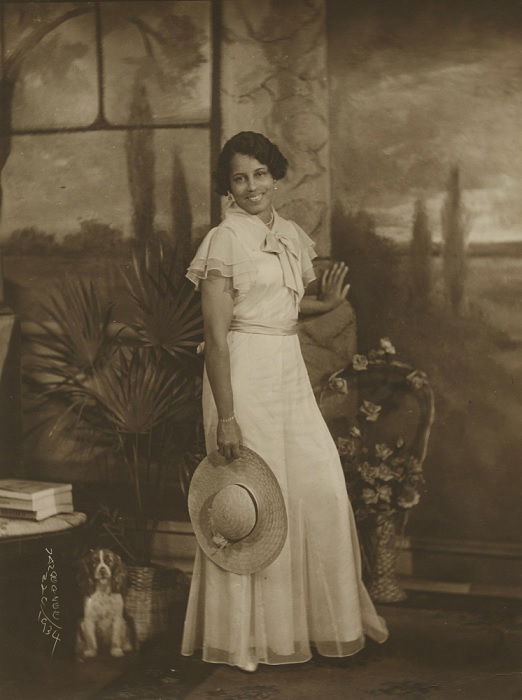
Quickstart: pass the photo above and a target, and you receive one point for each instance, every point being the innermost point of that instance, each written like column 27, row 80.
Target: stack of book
column 34, row 500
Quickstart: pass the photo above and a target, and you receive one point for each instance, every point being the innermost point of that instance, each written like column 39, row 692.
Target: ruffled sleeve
column 307, row 254
column 221, row 251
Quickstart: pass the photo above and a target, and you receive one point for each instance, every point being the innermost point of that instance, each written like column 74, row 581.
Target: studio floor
column 440, row 646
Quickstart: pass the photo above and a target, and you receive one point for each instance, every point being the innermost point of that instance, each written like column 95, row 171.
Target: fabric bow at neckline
column 287, row 251
column 279, row 242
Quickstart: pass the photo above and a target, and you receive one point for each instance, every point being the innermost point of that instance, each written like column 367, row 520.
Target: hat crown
column 238, row 512
column 233, row 514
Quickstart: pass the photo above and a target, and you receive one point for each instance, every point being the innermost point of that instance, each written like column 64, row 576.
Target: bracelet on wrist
column 227, row 420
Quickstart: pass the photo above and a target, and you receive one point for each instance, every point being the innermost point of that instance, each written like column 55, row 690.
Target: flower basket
column 382, row 455
column 381, row 550
column 151, row 598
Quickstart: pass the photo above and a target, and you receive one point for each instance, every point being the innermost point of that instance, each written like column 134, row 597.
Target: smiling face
column 251, row 185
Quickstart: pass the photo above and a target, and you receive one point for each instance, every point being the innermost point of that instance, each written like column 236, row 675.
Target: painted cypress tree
column 454, row 234
column 420, row 256
column 139, row 147
column 181, row 215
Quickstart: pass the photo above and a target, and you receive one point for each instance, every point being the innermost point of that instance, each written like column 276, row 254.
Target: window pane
column 55, row 181
column 162, row 49
column 54, row 44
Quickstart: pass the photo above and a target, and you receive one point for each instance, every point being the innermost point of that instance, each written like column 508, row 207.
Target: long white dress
column 312, row 594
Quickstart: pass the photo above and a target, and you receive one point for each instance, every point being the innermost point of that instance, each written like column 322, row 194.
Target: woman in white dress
column 252, row 271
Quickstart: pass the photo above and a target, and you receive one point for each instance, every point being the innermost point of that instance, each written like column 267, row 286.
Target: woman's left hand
column 333, row 287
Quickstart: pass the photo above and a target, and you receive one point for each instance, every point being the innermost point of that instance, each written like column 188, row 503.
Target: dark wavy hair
column 248, row 143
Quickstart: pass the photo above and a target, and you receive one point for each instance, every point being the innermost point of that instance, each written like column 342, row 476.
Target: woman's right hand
column 229, row 439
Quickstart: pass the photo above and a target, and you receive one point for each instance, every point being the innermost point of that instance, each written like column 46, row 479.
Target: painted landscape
column 426, row 178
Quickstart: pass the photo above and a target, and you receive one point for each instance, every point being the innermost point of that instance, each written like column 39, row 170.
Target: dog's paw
column 116, row 652
column 90, row 653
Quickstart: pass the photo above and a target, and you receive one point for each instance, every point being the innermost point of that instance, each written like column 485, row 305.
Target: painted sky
column 417, row 87
column 52, row 182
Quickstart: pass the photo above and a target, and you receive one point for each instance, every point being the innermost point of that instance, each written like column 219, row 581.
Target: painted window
column 111, row 102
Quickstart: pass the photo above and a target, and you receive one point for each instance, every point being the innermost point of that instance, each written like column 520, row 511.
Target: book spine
column 31, row 497
column 64, row 499
column 33, row 514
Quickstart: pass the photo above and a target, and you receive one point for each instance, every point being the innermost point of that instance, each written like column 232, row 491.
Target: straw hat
column 238, row 511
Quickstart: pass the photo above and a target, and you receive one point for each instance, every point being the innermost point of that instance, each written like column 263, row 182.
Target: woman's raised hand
column 229, row 439
column 333, row 287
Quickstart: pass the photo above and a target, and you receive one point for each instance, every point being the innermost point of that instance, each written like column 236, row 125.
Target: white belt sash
column 247, row 327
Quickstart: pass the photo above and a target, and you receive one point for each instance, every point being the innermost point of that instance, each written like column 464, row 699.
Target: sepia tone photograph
column 260, row 349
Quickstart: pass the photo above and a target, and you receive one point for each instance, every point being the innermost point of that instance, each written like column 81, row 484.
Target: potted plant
column 130, row 394
column 382, row 455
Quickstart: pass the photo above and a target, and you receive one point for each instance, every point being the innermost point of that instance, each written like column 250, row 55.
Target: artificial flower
column 398, row 473
column 384, row 472
column 369, row 496
column 370, row 410
column 382, row 451
column 382, row 477
column 360, row 362
column 368, row 472
column 399, row 468
column 408, row 498
column 346, row 446
column 384, row 493
column 417, row 379
column 338, row 384
column 415, row 479
column 414, row 466
column 220, row 541
column 387, row 346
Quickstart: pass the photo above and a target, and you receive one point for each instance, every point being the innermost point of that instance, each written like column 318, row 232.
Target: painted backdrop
column 111, row 117
column 425, row 107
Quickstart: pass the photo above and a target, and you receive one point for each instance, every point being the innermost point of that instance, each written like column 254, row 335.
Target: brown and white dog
column 101, row 577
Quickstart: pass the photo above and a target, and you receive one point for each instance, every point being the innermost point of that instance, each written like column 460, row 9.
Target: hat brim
column 261, row 547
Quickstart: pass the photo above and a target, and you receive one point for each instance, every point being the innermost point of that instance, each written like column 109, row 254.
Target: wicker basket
column 151, row 598
column 384, row 583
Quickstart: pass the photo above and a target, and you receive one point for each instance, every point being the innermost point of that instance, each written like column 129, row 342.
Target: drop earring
column 275, row 186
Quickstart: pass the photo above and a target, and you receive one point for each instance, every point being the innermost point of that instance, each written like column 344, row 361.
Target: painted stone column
column 274, row 80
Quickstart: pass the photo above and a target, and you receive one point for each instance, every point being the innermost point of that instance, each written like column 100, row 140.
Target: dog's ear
column 119, row 574
column 85, row 574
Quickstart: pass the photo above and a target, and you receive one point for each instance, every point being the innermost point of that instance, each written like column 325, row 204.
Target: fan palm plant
column 76, row 338
column 132, row 395
column 74, row 341
column 140, row 409
column 166, row 315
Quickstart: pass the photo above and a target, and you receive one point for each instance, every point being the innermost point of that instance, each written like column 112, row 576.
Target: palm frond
column 77, row 334
column 168, row 313
column 135, row 394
